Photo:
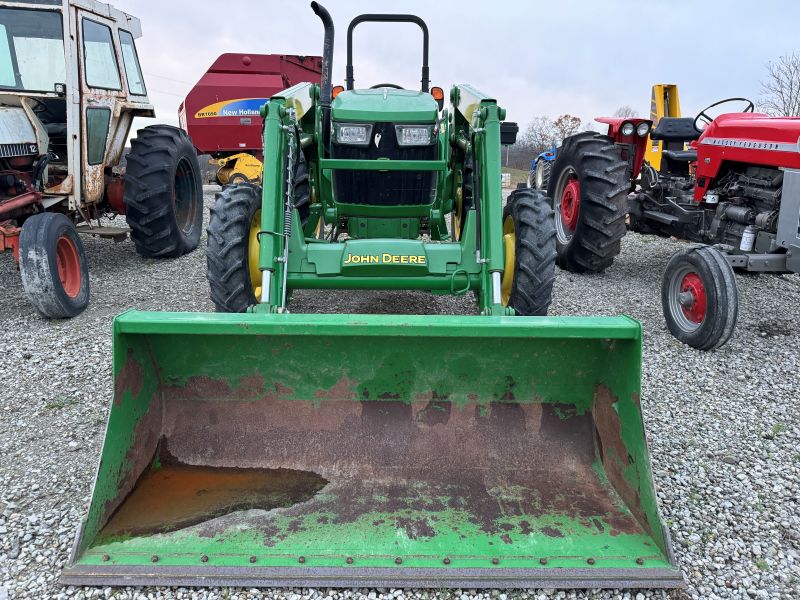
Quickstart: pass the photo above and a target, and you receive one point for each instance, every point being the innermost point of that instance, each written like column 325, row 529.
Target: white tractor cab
column 70, row 86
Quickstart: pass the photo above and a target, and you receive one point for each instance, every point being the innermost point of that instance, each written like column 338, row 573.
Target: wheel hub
column 570, row 204
column 69, row 266
column 253, row 250
column 510, row 244
column 183, row 196
column 692, row 298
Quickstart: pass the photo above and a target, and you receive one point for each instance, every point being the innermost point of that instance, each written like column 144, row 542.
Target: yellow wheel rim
column 510, row 244
column 252, row 253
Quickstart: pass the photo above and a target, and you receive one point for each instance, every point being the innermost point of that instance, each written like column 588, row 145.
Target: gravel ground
column 723, row 427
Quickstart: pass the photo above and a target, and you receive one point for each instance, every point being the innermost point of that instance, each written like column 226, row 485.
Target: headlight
column 352, row 134
column 627, row 128
column 643, row 129
column 414, row 135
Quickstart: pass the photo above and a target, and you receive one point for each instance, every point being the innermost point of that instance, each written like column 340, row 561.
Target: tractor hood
column 753, row 130
column 386, row 105
column 15, row 127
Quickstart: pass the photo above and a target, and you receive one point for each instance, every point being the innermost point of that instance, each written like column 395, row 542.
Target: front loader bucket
column 374, row 450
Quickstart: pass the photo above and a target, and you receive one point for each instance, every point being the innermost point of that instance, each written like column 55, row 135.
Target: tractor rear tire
column 228, row 252
column 53, row 265
column 534, row 251
column 590, row 172
column 163, row 193
column 699, row 297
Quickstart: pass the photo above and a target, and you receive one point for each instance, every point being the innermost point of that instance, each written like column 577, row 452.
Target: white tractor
column 70, row 87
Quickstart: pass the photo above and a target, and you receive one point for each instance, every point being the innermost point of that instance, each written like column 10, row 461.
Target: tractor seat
column 681, row 155
column 675, row 129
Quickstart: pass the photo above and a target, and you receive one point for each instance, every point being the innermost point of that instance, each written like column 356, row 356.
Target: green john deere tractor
column 258, row 447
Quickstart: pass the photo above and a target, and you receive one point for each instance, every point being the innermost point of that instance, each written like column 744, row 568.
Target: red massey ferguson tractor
column 730, row 183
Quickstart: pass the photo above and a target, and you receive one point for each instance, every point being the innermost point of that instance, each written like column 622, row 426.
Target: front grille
column 388, row 188
column 12, row 150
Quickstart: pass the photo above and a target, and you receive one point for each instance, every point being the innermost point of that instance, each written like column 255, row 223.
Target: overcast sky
column 586, row 57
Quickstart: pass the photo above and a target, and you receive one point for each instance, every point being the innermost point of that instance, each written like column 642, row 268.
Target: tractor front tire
column 232, row 218
column 699, row 297
column 528, row 228
column 53, row 265
column 163, row 193
column 539, row 177
column 589, row 186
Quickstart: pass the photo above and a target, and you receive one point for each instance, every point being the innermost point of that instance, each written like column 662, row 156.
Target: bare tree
column 626, row 111
column 539, row 135
column 566, row 125
column 780, row 91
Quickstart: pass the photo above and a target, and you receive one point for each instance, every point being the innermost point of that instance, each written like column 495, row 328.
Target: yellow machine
column 664, row 102
column 239, row 168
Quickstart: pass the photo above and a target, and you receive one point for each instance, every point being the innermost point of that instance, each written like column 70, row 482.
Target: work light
column 352, row 134
column 414, row 135
column 627, row 128
column 643, row 129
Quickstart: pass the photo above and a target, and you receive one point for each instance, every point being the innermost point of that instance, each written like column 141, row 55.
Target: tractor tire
column 589, row 186
column 163, row 193
column 53, row 265
column 539, row 177
column 302, row 189
column 699, row 297
column 528, row 217
column 467, row 200
column 230, row 280
column 228, row 251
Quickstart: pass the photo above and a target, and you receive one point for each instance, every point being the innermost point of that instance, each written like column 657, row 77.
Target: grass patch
column 517, row 176
column 60, row 402
column 762, row 564
column 776, row 430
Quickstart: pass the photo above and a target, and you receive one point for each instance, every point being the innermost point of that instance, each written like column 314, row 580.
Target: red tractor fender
column 749, row 138
column 636, row 144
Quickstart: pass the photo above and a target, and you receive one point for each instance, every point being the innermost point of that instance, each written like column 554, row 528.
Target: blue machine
column 539, row 176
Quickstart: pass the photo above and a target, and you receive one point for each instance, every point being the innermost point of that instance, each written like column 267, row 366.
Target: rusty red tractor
column 728, row 181
column 70, row 87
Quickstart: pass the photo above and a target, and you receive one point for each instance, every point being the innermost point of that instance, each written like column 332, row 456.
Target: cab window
column 99, row 59
column 31, row 50
column 133, row 72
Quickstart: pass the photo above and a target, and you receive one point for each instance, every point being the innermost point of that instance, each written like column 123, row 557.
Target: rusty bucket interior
column 353, row 450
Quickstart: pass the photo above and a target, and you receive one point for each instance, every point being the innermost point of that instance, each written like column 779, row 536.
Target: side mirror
column 508, row 133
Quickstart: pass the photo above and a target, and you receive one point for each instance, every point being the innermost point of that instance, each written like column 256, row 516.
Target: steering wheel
column 394, row 86
column 705, row 119
column 41, row 108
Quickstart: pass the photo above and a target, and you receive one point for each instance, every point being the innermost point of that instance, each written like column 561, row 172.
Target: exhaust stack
column 327, row 54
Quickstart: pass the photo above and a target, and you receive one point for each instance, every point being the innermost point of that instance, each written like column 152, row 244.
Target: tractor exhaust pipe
column 327, row 54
